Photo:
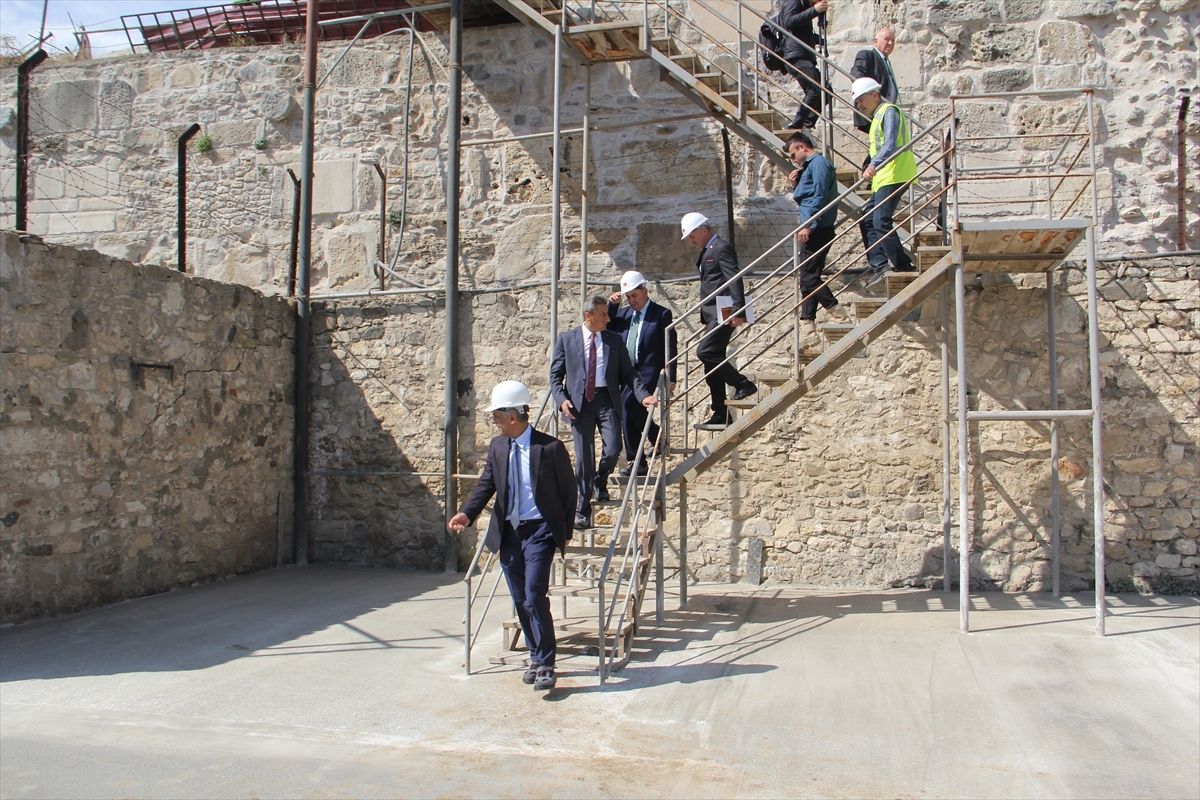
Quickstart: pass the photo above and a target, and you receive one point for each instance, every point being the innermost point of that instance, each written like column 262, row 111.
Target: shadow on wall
column 373, row 430
column 1149, row 485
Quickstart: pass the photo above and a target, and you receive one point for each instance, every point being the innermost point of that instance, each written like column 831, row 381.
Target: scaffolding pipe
column 1097, row 439
column 585, row 185
column 947, row 432
column 1181, row 240
column 728, row 186
column 964, row 512
column 303, row 267
column 556, row 200
column 1055, row 530
column 181, row 195
column 291, row 279
column 453, row 138
column 23, row 71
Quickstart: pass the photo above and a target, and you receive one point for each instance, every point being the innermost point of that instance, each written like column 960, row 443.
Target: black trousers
column 597, row 413
column 810, row 273
column 635, row 419
column 809, row 79
column 711, row 352
column 526, row 556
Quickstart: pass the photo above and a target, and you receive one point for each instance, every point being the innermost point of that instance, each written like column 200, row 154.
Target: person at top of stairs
column 797, row 17
column 717, row 264
column 873, row 63
column 816, row 187
column 588, row 369
column 889, row 172
column 529, row 472
column 643, row 326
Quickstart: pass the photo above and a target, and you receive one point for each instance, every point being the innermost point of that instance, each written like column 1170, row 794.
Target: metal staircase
column 949, row 229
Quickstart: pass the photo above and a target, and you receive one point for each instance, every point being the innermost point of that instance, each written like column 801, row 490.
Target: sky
column 22, row 19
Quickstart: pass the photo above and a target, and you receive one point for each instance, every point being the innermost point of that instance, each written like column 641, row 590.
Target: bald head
column 885, row 41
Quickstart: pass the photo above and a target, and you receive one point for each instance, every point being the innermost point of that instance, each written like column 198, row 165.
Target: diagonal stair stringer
column 815, row 373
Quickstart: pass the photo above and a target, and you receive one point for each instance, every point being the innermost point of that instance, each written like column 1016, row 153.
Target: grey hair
column 593, row 302
column 521, row 412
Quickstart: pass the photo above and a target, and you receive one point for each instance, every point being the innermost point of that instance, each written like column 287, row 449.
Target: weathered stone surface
column 64, row 104
column 1022, row 10
column 1083, row 8
column 1065, row 43
column 145, row 429
column 951, row 11
column 1002, row 43
column 277, row 106
column 1006, row 79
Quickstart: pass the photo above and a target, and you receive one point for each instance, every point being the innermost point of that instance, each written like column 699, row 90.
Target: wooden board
column 1019, row 245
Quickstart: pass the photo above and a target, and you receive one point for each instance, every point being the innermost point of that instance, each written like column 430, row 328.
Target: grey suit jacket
column 568, row 376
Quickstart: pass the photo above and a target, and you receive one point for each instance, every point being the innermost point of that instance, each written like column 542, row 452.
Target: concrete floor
column 327, row 682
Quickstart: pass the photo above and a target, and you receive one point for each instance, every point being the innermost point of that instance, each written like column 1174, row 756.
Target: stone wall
column 145, row 432
column 845, row 489
column 104, row 135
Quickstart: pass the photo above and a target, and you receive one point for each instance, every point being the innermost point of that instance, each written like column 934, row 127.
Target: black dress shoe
column 719, row 418
column 745, row 390
column 625, row 472
column 602, row 495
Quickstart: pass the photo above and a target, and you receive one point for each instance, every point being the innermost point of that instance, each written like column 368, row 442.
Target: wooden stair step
column 747, row 403
column 668, row 46
column 929, row 239
column 700, row 426
column 580, row 590
column 865, row 308
column 834, row 331
column 928, row 256
column 809, row 356
column 771, row 379
column 848, row 175
column 898, row 280
column 579, row 625
column 689, row 61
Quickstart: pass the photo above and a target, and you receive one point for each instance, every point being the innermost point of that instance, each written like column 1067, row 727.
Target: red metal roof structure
column 283, row 22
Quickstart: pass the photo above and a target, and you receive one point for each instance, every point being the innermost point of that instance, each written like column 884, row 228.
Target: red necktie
column 589, row 388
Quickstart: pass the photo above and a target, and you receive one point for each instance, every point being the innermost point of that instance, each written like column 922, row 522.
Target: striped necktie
column 635, row 333
column 514, row 482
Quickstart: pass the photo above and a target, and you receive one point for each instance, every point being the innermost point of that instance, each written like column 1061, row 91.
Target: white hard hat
column 863, row 86
column 632, row 280
column 690, row 222
column 510, row 394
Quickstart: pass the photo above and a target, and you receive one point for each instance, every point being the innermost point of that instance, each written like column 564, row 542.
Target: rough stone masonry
column 845, row 489
column 145, row 429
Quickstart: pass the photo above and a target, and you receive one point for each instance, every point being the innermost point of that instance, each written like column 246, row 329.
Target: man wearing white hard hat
column 718, row 267
column 529, row 472
column 642, row 325
column 889, row 172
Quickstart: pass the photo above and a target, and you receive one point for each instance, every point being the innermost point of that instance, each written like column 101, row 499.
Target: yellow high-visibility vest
column 901, row 168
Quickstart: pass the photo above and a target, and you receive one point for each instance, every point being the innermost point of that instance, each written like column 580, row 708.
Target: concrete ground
column 329, row 682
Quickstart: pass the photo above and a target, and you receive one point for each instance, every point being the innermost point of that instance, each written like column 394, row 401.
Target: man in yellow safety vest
column 889, row 172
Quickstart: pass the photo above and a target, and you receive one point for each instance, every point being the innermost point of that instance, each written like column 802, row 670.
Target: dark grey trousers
column 598, row 413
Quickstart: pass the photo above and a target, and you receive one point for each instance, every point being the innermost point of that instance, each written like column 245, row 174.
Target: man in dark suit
column 588, row 369
column 717, row 264
column 873, row 63
column 797, row 17
column 529, row 472
column 642, row 325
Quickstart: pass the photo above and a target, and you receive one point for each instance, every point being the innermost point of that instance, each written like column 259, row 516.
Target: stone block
column 660, row 252
column 942, row 12
column 116, row 105
column 754, row 561
column 1022, row 10
column 1068, row 9
column 1064, row 42
column 523, row 248
column 659, row 167
column 48, row 183
column 185, row 75
column 65, row 107
column 1006, row 79
column 90, row 222
column 277, row 106
column 1002, row 43
column 333, row 186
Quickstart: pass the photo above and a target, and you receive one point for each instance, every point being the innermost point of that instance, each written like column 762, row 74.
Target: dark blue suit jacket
column 568, row 376
column 553, row 487
column 653, row 346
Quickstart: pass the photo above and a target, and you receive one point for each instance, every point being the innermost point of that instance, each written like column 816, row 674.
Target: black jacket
column 797, row 16
column 718, row 263
column 653, row 346
column 553, row 487
column 568, row 374
column 869, row 63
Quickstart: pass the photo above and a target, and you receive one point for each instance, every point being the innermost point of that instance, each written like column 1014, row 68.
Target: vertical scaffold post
column 584, row 184
column 1052, row 355
column 1097, row 439
column 556, row 202
column 303, row 267
column 947, row 432
column 964, row 508
column 292, row 252
column 683, row 545
column 453, row 140
column 23, row 71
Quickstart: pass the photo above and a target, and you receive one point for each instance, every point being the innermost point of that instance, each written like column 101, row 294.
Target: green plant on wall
column 260, row 144
column 395, row 217
column 262, row 170
column 204, row 143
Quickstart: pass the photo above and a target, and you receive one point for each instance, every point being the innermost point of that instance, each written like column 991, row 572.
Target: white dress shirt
column 601, row 357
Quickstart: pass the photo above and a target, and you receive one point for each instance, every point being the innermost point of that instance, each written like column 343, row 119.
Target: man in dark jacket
column 717, row 264
column 588, row 370
column 529, row 472
column 642, row 325
column 797, row 17
column 874, row 63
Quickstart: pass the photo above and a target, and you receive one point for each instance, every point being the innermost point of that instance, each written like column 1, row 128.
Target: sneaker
column 582, row 523
column 879, row 278
column 837, row 314
column 545, row 679
column 530, row 674
column 602, row 495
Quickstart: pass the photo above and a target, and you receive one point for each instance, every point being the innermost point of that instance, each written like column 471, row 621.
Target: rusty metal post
column 28, row 66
